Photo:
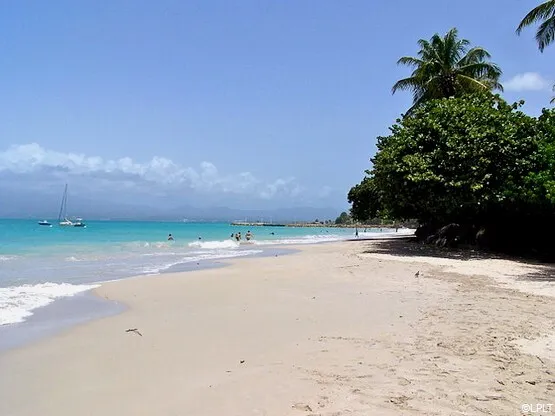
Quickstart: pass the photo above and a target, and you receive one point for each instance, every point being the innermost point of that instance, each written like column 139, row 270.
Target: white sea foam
column 322, row 238
column 307, row 239
column 18, row 302
column 199, row 257
column 73, row 258
column 211, row 245
column 7, row 258
column 401, row 232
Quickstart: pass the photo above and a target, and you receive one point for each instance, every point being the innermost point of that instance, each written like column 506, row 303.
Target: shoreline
column 341, row 327
column 263, row 250
column 64, row 313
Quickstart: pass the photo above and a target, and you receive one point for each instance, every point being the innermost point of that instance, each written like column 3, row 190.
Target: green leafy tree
column 448, row 67
column 343, row 219
column 540, row 188
column 365, row 200
column 456, row 160
column 544, row 14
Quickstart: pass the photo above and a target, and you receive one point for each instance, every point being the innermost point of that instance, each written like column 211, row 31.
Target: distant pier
column 256, row 224
column 314, row 224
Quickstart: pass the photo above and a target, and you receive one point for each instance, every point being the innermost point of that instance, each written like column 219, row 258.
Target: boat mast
column 63, row 206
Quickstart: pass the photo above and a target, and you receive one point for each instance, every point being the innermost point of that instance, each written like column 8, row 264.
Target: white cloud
column 528, row 81
column 33, row 158
column 280, row 186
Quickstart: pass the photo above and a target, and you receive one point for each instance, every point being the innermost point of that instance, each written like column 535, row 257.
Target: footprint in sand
column 404, row 382
column 303, row 407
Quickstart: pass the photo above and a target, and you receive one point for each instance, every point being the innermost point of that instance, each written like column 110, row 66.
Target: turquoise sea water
column 39, row 264
column 24, row 237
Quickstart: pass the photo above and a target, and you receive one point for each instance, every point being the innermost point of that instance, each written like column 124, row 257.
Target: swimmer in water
column 248, row 235
column 170, row 238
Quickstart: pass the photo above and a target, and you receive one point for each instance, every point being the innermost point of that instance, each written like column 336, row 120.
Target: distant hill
column 43, row 204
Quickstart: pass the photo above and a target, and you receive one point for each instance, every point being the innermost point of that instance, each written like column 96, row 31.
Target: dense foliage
column 446, row 66
column 475, row 161
column 343, row 219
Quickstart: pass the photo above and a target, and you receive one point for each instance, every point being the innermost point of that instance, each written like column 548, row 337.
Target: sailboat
column 62, row 216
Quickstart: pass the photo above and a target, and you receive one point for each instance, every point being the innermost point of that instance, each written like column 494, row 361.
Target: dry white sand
column 339, row 329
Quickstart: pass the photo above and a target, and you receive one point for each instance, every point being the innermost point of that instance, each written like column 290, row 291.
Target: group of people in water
column 237, row 236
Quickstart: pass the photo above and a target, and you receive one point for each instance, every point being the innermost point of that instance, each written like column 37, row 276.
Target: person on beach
column 248, row 235
column 238, row 236
column 170, row 238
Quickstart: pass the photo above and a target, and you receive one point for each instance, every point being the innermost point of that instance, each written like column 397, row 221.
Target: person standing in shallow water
column 170, row 237
column 248, row 235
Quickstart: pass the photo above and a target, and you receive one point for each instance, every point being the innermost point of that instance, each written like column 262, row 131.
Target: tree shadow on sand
column 546, row 274
column 403, row 247
column 407, row 247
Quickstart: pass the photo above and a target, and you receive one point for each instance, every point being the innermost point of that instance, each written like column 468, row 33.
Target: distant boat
column 62, row 216
column 46, row 223
column 79, row 223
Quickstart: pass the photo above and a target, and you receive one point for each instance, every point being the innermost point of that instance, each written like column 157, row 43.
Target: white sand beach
column 336, row 329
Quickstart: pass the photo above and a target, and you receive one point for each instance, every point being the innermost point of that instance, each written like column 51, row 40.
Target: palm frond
column 475, row 54
column 473, row 84
column 493, row 85
column 410, row 61
column 546, row 33
column 481, row 70
column 411, row 83
column 542, row 12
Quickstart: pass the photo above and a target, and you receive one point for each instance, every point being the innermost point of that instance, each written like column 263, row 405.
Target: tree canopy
column 447, row 66
column 473, row 160
column 344, row 218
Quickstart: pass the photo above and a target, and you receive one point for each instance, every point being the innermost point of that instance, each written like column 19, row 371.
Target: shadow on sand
column 407, row 247
column 404, row 247
column 546, row 274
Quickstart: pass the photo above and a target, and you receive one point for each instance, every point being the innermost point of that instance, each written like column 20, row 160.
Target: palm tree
column 447, row 66
column 544, row 13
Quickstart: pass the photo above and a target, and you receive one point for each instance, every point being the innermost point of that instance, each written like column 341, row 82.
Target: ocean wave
column 148, row 244
column 7, row 258
column 322, row 238
column 18, row 302
column 73, row 258
column 392, row 233
column 200, row 257
column 307, row 239
column 212, row 245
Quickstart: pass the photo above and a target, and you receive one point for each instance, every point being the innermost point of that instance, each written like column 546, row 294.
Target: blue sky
column 246, row 103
